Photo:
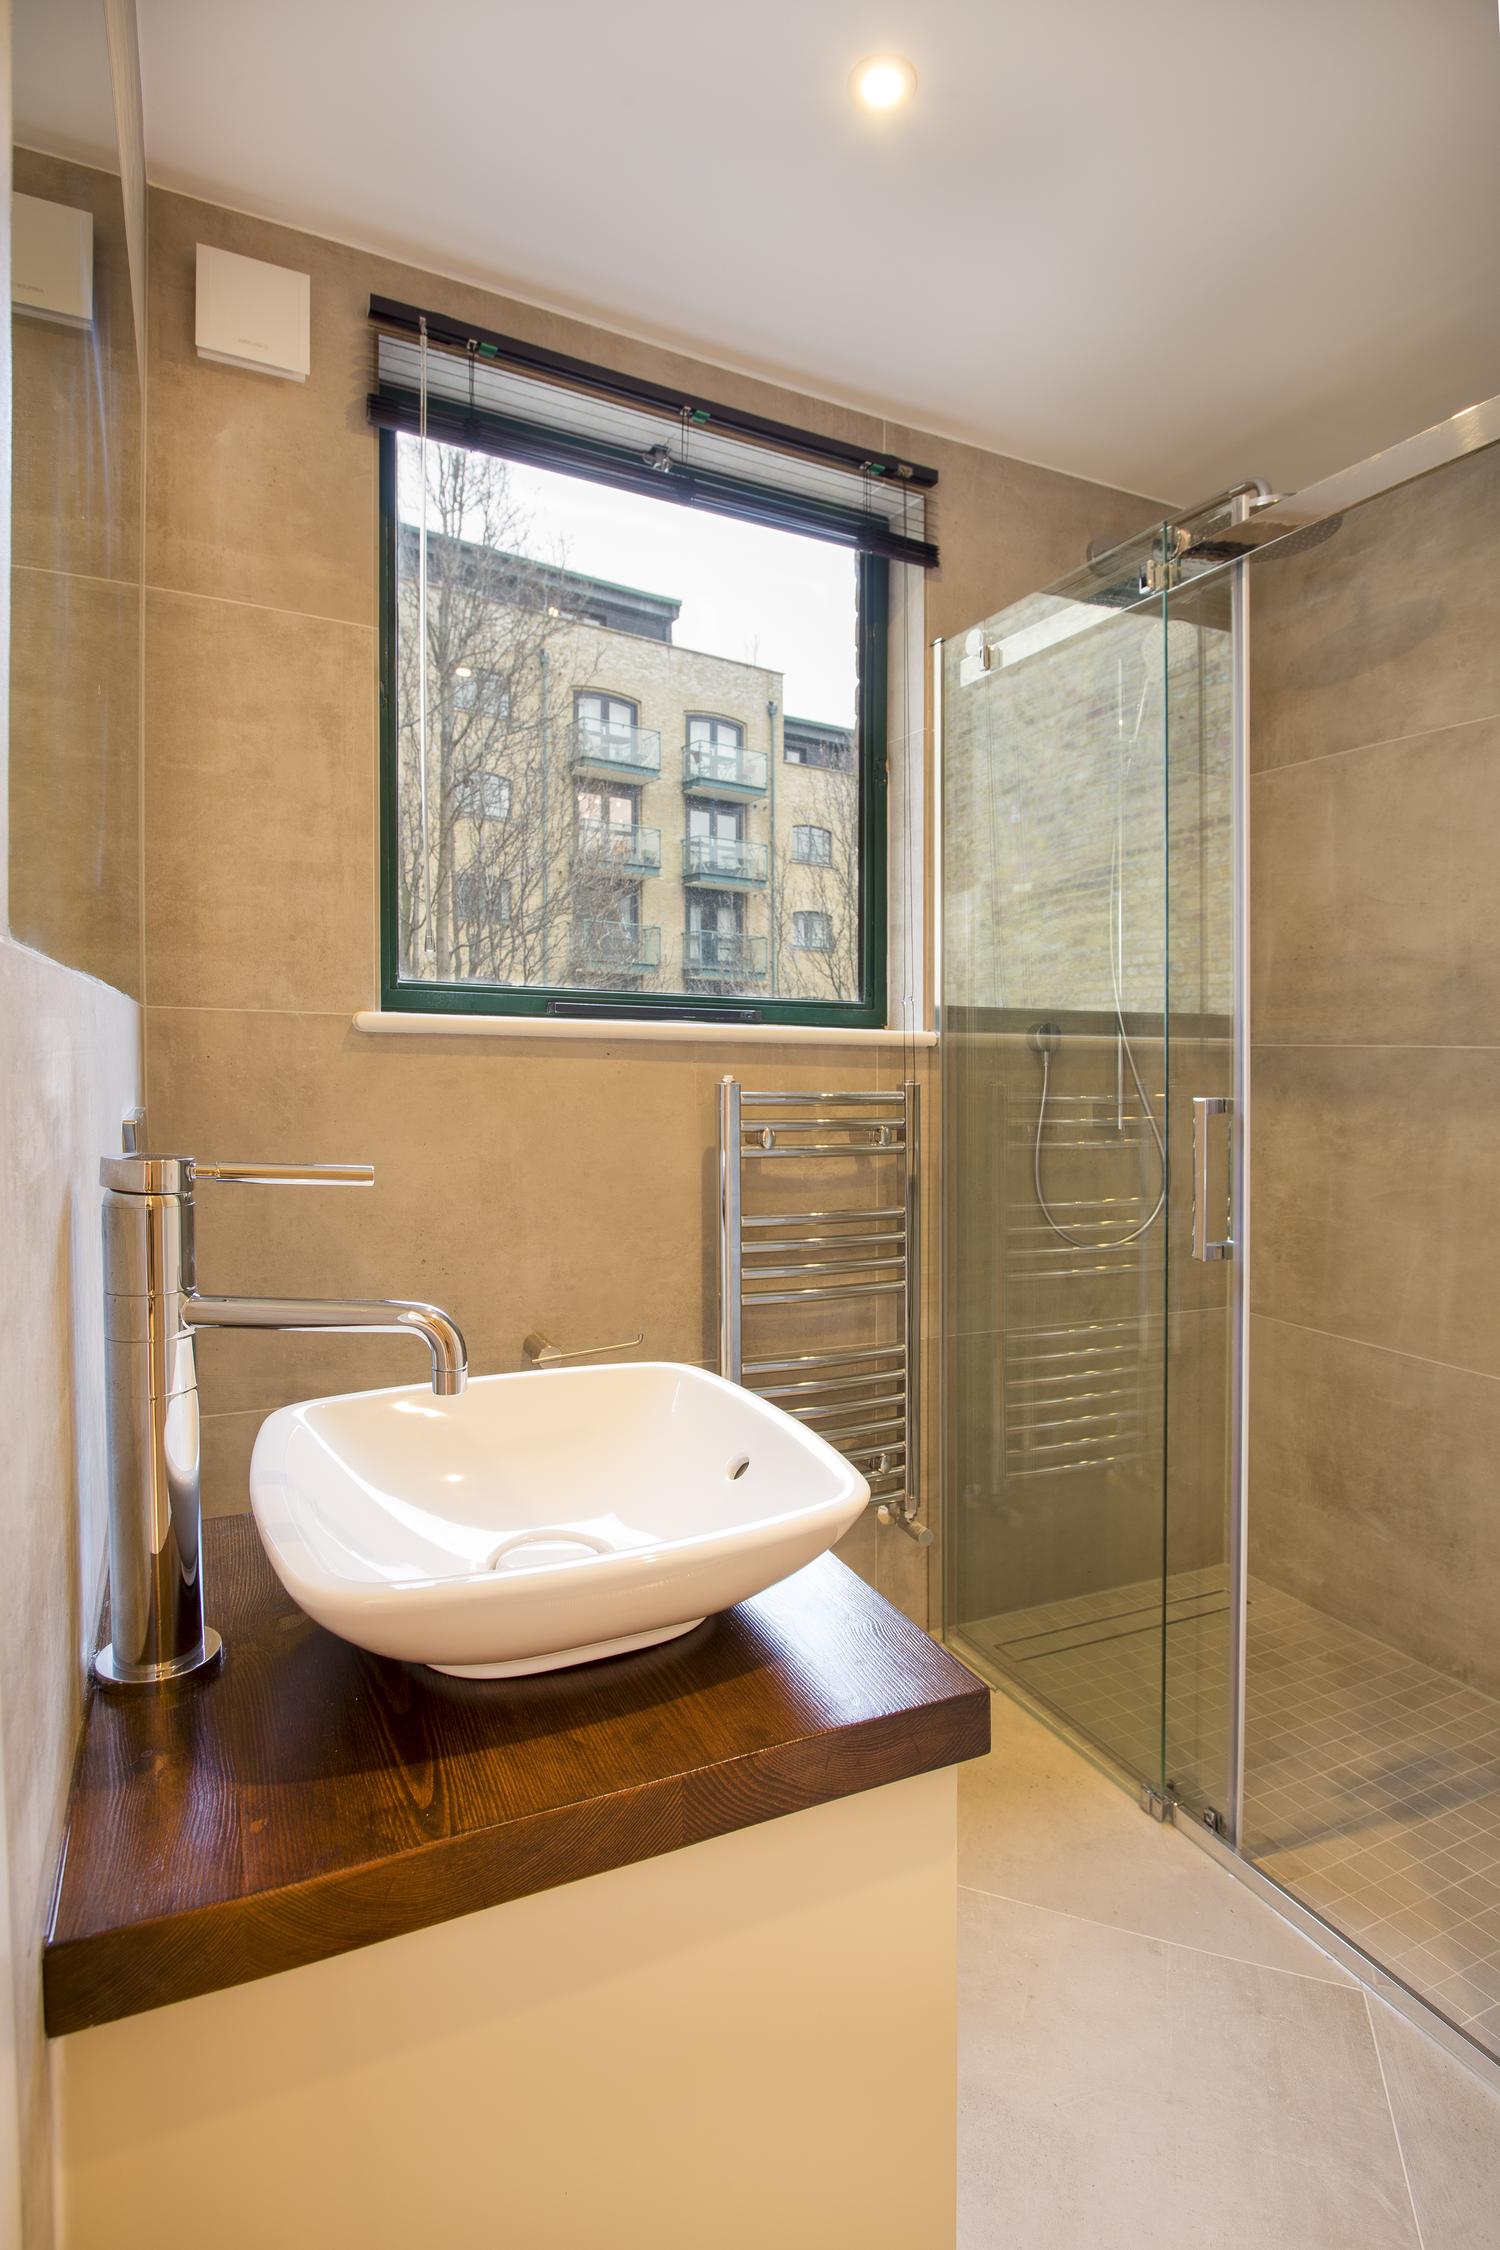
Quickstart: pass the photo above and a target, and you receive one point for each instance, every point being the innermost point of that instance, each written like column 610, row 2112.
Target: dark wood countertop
column 311, row 1798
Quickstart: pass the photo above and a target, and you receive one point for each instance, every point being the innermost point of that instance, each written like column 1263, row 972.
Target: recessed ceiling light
column 883, row 81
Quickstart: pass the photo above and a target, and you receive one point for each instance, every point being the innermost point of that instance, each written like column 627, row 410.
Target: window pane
column 624, row 807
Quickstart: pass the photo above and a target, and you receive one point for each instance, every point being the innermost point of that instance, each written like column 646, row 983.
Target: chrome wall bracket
column 539, row 1351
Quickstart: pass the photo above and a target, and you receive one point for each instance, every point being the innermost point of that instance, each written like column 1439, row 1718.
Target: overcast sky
column 762, row 597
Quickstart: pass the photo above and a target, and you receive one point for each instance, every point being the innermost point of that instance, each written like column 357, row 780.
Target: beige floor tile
column 1116, row 2092
column 1039, row 1823
column 1449, row 2129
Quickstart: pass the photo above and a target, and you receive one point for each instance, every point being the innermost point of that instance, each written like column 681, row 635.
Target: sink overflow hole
column 544, row 1549
column 738, row 1468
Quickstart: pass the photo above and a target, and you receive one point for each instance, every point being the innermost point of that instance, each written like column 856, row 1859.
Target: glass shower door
column 1058, row 856
column 1200, row 1643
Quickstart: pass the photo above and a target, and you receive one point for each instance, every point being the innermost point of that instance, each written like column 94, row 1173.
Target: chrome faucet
column 152, row 1309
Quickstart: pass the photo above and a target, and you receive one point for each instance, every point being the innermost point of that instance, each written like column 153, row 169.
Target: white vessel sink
column 542, row 1519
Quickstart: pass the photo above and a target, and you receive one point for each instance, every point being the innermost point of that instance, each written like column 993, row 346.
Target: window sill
column 383, row 1023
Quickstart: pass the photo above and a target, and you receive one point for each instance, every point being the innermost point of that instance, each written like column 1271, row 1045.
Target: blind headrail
column 487, row 344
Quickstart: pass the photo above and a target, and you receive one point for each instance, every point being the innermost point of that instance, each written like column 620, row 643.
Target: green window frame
column 580, row 1004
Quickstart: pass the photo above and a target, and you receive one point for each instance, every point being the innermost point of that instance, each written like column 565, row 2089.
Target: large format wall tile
column 1385, row 628
column 1376, row 1196
column 1374, row 1492
column 1373, row 881
column 259, row 490
column 519, row 1184
column 518, row 1191
column 75, row 772
column 260, row 808
column 76, row 401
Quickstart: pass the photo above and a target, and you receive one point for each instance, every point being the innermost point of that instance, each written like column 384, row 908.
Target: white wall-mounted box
column 52, row 261
column 253, row 315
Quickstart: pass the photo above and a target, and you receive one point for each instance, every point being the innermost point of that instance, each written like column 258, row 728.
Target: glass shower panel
column 1200, row 1310
column 1372, row 1754
column 1055, row 984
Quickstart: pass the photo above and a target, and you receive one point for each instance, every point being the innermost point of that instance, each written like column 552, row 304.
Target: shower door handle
column 1205, row 1246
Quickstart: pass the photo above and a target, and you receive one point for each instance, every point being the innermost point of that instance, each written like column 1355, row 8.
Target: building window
column 486, row 796
column 581, row 797
column 606, row 727
column 479, row 901
column 485, row 695
column 804, row 744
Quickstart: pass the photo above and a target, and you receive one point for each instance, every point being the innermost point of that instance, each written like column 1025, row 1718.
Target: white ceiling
column 61, row 98
column 1163, row 243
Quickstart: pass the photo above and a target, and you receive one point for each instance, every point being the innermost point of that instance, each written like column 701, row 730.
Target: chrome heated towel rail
column 863, row 1396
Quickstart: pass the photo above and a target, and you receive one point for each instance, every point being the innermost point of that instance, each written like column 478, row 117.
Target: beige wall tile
column 1374, row 1492
column 858, row 1547
column 227, row 1442
column 1377, row 1205
column 76, row 401
column 75, row 772
column 261, row 856
column 1373, row 893
column 1384, row 629
column 1007, row 527
column 1375, row 985
column 902, row 1571
column 260, row 490
column 564, row 1191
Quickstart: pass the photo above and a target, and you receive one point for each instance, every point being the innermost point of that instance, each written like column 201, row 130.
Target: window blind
column 498, row 394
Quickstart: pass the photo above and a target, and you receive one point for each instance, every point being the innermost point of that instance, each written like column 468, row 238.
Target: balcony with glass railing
column 724, row 859
column 725, row 769
column 730, row 956
column 615, row 949
column 616, row 749
column 614, row 845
